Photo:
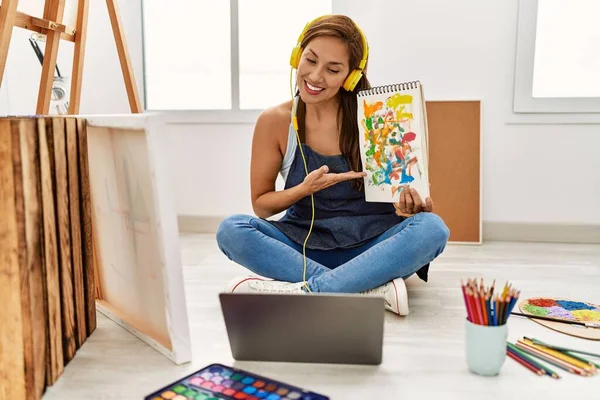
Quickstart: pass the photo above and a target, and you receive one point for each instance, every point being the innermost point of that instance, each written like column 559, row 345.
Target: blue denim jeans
column 399, row 252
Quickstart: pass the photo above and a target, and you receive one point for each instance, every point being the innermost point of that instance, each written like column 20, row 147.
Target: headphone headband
column 354, row 76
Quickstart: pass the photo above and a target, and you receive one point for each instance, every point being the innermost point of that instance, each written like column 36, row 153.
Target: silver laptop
column 311, row 328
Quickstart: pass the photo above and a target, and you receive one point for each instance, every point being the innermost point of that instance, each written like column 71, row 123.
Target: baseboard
column 539, row 232
column 492, row 231
column 198, row 223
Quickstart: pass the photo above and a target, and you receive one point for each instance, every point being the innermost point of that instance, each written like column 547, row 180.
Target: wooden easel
column 51, row 26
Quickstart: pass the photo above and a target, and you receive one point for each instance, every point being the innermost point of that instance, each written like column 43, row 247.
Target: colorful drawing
column 393, row 143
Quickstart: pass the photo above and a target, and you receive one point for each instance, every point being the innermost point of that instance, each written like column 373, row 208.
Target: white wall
column 103, row 90
column 463, row 49
column 210, row 168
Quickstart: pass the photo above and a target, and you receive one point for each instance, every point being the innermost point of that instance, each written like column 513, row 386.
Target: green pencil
column 568, row 352
column 529, row 358
column 579, row 358
column 552, row 362
column 587, row 353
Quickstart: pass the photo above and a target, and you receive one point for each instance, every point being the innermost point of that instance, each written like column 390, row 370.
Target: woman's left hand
column 410, row 203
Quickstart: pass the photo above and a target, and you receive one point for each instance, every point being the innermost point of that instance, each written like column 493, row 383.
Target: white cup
column 485, row 348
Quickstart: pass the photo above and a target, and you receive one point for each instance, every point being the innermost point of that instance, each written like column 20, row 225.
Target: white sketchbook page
column 393, row 144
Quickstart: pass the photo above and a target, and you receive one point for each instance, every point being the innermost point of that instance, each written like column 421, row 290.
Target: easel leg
column 78, row 56
column 132, row 94
column 53, row 11
column 8, row 14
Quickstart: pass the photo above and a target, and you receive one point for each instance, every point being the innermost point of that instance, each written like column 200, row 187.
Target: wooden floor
column 423, row 352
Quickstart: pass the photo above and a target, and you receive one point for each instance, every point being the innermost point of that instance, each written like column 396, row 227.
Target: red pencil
column 467, row 304
column 483, row 307
column 478, row 307
column 473, row 306
column 524, row 363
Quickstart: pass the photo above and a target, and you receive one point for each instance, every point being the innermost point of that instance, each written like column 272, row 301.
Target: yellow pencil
column 561, row 356
column 551, row 359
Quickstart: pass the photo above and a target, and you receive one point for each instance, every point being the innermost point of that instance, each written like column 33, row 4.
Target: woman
column 353, row 246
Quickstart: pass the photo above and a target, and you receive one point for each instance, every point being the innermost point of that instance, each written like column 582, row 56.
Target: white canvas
column 136, row 235
column 393, row 141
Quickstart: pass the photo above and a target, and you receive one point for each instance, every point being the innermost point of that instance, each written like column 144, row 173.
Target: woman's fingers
column 410, row 204
column 321, row 178
column 322, row 171
column 346, row 176
column 418, row 203
column 428, row 205
column 402, row 201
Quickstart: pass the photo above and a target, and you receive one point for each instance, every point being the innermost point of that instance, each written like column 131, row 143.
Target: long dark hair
column 342, row 27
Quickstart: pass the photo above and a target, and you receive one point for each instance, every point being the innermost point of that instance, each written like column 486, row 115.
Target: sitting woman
column 353, row 246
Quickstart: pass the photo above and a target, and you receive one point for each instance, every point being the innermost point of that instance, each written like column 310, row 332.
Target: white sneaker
column 395, row 295
column 255, row 284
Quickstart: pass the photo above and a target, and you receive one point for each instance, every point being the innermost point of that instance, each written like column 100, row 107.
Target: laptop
column 308, row 328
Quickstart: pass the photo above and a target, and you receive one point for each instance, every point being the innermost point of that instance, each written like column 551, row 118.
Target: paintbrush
column 585, row 324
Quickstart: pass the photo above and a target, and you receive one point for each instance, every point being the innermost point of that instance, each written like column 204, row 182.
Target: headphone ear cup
column 352, row 80
column 295, row 56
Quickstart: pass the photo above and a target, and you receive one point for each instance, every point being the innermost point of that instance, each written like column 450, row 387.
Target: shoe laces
column 380, row 290
column 272, row 286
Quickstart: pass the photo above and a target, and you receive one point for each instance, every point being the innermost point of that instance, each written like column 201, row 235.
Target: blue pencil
column 510, row 306
column 496, row 313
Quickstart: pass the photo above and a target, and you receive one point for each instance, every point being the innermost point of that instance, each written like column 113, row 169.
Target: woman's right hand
column 320, row 179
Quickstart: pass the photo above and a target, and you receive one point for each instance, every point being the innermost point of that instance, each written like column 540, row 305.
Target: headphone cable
column 312, row 199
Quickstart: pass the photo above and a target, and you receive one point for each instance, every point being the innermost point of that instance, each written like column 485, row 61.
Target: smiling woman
column 333, row 67
column 330, row 239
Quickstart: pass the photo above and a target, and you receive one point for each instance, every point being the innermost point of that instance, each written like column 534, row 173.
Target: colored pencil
column 551, row 359
column 496, row 311
column 532, row 360
column 524, row 363
column 511, row 305
column 469, row 314
column 560, row 356
column 484, row 306
column 595, row 366
column 483, row 309
column 587, row 353
column 488, row 311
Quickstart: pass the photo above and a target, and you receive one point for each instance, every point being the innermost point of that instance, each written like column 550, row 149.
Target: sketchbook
column 393, row 140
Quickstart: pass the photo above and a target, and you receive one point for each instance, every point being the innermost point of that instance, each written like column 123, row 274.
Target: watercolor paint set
column 220, row 382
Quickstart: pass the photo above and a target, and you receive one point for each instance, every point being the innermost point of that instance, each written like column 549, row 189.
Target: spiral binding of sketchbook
column 397, row 87
column 393, row 139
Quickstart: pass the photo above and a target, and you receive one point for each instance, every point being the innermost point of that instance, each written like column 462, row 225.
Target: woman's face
column 322, row 69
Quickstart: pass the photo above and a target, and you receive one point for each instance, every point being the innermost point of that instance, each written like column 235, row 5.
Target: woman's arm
column 265, row 164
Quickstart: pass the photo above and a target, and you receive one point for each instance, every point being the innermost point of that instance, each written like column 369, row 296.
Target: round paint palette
column 566, row 310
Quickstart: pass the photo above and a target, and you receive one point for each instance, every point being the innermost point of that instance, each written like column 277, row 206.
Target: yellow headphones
column 354, row 76
column 349, row 84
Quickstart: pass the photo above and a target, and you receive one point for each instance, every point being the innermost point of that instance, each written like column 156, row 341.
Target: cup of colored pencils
column 486, row 331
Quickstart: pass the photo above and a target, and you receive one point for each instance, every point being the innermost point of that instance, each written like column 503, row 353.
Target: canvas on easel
column 393, row 139
column 63, row 20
